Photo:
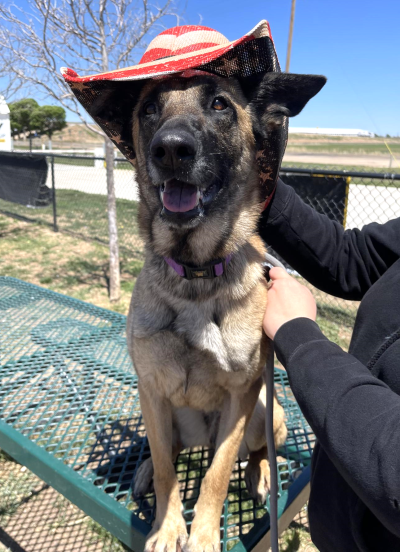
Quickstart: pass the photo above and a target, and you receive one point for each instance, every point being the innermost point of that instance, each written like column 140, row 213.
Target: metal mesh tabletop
column 69, row 411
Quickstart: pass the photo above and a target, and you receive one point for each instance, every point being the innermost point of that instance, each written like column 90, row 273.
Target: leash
column 269, row 431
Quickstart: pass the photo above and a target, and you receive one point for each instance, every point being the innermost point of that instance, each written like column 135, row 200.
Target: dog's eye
column 149, row 108
column 219, row 104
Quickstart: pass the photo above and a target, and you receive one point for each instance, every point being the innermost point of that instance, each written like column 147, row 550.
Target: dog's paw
column 204, row 539
column 169, row 536
column 257, row 477
column 144, row 479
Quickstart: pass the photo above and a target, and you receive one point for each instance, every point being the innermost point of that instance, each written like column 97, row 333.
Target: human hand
column 287, row 299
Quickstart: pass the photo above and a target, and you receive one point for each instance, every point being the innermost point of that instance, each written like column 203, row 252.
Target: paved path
column 92, row 180
column 373, row 161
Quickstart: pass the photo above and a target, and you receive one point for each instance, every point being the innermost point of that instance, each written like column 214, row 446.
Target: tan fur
column 198, row 346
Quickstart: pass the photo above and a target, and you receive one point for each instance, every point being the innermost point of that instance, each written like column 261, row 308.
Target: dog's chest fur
column 194, row 351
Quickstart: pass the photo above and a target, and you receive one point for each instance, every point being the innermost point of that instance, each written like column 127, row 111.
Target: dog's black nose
column 172, row 148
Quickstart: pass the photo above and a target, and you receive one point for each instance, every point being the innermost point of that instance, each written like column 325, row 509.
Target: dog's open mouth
column 181, row 197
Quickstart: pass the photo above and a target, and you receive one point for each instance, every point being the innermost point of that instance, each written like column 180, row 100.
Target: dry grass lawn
column 63, row 263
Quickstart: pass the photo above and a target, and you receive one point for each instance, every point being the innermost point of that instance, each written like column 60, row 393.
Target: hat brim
column 109, row 97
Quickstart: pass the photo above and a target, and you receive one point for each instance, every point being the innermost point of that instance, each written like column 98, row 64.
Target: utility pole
column 289, row 48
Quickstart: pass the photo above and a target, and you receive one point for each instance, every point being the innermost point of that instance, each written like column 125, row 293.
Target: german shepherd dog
column 197, row 345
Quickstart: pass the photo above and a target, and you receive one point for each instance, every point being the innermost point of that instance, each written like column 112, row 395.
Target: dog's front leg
column 236, row 414
column 169, row 530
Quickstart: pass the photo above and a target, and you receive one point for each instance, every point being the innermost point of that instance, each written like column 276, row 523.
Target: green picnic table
column 70, row 412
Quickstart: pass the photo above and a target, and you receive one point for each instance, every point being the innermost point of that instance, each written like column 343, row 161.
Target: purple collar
column 210, row 270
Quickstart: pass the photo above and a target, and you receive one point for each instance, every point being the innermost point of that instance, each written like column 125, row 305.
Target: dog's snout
column 172, row 148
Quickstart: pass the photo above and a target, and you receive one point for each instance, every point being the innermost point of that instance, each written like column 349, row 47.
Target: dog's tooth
column 199, row 195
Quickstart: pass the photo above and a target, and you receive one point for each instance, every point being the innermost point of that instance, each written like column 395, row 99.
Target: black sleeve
column 339, row 262
column 355, row 416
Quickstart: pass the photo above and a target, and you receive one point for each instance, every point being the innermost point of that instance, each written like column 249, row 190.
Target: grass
column 71, row 161
column 64, row 263
column 336, row 322
column 13, row 488
column 85, row 215
column 296, row 539
column 119, row 165
column 99, row 533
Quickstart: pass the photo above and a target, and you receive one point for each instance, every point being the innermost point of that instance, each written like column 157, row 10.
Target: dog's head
column 196, row 140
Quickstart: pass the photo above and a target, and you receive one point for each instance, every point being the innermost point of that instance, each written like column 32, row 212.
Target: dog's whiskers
column 214, row 174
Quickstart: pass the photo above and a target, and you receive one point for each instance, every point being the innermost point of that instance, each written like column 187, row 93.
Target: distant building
column 331, row 131
column 5, row 129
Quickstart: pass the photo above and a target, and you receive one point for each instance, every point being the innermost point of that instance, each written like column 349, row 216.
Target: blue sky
column 355, row 43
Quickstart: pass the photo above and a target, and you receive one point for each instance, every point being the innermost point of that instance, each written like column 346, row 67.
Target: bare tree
column 87, row 35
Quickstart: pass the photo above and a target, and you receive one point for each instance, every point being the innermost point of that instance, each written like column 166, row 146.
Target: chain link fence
column 74, row 200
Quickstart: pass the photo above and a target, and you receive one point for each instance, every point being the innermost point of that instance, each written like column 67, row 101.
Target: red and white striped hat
column 174, row 51
column 109, row 97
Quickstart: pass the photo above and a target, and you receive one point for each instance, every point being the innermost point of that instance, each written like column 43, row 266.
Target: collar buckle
column 199, row 272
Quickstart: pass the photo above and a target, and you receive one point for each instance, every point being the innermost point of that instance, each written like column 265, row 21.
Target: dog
column 197, row 344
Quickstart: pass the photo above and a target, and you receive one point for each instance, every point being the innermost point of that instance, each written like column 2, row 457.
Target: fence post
column 53, row 185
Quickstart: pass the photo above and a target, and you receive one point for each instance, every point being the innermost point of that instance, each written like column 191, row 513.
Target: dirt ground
column 35, row 518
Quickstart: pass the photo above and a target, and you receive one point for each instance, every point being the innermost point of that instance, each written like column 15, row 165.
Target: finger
column 277, row 273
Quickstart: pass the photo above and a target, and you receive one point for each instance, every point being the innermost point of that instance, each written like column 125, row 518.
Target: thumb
column 278, row 273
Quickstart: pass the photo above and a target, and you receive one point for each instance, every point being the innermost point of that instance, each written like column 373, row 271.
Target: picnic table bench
column 70, row 412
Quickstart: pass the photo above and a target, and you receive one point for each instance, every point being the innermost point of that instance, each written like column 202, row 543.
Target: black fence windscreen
column 23, row 179
column 327, row 194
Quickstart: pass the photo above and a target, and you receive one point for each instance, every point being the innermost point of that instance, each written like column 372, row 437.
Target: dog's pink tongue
column 179, row 197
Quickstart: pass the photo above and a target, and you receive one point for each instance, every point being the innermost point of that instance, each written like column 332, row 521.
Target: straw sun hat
column 109, row 97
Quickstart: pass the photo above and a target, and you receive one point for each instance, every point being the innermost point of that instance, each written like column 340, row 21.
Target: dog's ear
column 273, row 96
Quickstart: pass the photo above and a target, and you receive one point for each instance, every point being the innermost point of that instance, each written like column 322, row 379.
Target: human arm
column 355, row 416
column 339, row 262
